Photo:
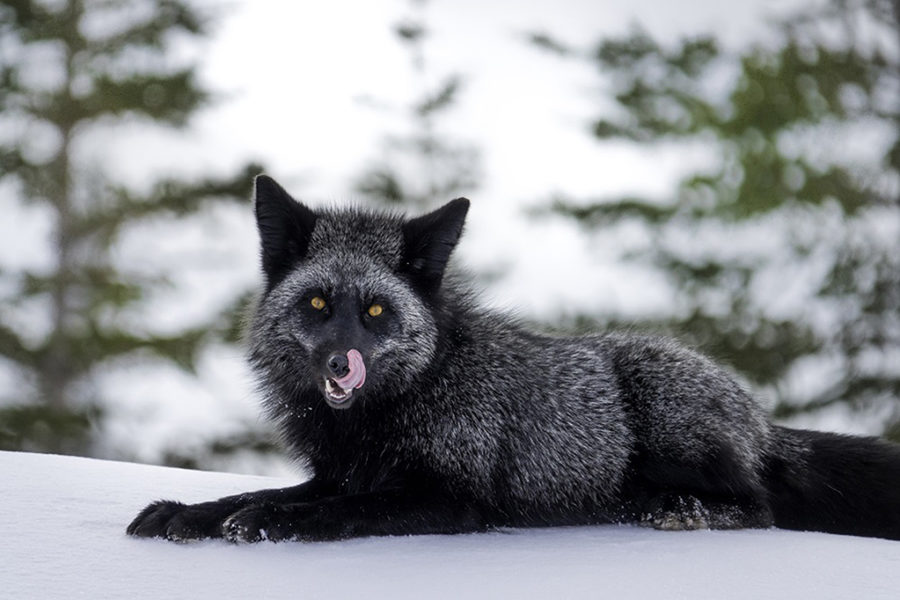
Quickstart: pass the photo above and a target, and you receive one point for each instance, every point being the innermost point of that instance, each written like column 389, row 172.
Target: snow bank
column 62, row 523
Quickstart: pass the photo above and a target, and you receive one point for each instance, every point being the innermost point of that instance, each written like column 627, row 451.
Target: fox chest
column 359, row 461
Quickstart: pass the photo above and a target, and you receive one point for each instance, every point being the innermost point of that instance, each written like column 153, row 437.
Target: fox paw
column 179, row 522
column 676, row 513
column 256, row 524
column 172, row 521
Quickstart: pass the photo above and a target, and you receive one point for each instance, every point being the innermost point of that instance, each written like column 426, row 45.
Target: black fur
column 285, row 228
column 429, row 240
column 467, row 421
column 840, row 484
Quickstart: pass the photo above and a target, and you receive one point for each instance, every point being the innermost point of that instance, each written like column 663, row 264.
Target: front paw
column 179, row 522
column 257, row 523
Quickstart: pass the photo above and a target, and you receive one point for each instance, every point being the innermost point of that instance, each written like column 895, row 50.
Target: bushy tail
column 835, row 483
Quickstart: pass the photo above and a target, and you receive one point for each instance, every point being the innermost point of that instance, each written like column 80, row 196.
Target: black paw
column 258, row 523
column 675, row 512
column 179, row 522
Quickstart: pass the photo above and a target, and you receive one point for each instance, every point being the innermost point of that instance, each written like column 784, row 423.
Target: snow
column 63, row 519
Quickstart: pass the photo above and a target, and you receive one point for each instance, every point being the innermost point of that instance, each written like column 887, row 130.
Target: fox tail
column 834, row 483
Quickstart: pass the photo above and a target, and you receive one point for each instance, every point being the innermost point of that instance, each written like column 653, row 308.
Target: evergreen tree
column 803, row 201
column 424, row 167
column 67, row 68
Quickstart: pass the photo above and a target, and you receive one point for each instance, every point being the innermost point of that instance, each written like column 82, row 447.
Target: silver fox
column 420, row 412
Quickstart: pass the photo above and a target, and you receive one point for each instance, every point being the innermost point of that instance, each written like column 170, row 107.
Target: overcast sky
column 292, row 75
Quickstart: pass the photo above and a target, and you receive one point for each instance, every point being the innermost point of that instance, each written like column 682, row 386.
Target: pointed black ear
column 285, row 227
column 429, row 240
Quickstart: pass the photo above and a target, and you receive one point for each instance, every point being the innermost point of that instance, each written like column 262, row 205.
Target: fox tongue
column 356, row 377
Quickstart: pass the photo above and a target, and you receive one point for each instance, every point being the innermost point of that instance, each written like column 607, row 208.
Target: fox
column 419, row 411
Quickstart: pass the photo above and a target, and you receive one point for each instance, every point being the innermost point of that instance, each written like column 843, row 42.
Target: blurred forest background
column 774, row 247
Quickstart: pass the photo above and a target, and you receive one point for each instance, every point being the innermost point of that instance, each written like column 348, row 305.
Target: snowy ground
column 62, row 526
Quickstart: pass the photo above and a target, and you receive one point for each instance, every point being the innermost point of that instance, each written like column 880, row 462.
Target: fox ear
column 429, row 240
column 285, row 227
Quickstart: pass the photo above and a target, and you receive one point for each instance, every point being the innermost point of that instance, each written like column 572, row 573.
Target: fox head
column 346, row 305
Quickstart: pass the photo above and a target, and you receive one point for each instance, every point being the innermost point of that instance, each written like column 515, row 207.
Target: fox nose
column 338, row 365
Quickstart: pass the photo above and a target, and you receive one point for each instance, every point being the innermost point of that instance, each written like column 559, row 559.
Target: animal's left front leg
column 389, row 512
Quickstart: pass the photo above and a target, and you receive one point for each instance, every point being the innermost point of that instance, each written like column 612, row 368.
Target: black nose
column 338, row 365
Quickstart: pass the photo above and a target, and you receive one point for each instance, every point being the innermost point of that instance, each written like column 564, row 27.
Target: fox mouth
column 338, row 391
column 335, row 393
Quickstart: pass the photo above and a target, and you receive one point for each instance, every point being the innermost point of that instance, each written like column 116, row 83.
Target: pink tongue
column 357, row 375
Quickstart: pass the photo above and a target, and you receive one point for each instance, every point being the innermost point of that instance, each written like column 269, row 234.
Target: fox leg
column 180, row 522
column 390, row 512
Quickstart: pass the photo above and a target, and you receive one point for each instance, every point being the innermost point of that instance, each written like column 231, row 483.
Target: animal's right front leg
column 180, row 522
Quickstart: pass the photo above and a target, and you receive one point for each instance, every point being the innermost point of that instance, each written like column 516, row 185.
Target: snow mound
column 62, row 535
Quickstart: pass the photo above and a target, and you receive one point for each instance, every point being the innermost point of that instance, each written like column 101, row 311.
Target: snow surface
column 62, row 523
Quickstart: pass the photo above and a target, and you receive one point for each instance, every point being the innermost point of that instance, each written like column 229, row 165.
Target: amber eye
column 317, row 303
column 375, row 310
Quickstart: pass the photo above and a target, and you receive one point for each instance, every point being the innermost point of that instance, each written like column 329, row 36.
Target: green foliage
column 778, row 119
column 102, row 63
column 423, row 168
column 249, row 441
column 43, row 428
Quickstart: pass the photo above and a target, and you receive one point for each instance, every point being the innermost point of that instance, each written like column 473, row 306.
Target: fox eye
column 317, row 303
column 375, row 310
